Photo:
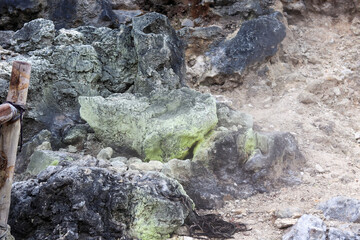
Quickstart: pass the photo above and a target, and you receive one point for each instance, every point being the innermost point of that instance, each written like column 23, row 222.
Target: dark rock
column 92, row 203
column 246, row 9
column 64, row 13
column 342, row 208
column 162, row 65
column 307, row 227
column 257, row 39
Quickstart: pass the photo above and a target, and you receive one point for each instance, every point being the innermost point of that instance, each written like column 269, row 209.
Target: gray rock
column 65, row 14
column 162, row 65
column 36, row 34
column 75, row 134
column 308, row 227
column 178, row 169
column 92, row 203
column 245, row 9
column 257, row 39
column 344, row 233
column 5, row 38
column 126, row 16
column 41, row 159
column 105, row 153
column 187, row 23
column 229, row 117
column 342, row 209
column 147, row 166
column 289, row 212
column 166, row 125
column 28, row 149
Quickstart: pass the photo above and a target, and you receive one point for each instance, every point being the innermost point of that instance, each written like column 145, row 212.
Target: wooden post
column 10, row 131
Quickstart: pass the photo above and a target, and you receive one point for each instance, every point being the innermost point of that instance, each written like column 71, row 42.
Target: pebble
column 319, row 169
column 105, row 153
column 284, row 222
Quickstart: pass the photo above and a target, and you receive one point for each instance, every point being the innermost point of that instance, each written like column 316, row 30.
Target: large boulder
column 78, row 202
column 92, row 61
column 163, row 64
column 165, row 125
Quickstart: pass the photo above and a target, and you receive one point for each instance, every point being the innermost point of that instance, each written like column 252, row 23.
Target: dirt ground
column 311, row 89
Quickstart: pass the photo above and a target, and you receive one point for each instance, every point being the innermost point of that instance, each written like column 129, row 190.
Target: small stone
column 120, row 159
column 72, row 149
column 187, row 23
column 134, row 160
column 337, row 91
column 284, row 222
column 307, row 98
column 319, row 169
column 44, row 146
column 105, row 153
column 289, row 212
column 150, row 166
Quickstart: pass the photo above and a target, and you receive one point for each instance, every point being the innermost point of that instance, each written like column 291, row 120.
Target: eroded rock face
column 165, row 125
column 162, row 65
column 93, row 61
column 64, row 13
column 90, row 202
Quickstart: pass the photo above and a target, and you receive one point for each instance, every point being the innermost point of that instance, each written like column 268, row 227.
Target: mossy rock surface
column 163, row 126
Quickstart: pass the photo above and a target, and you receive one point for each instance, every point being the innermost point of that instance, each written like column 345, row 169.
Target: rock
column 91, row 203
column 5, row 38
column 229, row 117
column 284, row 222
column 307, row 98
column 355, row 26
column 162, row 66
column 75, row 135
column 343, row 233
column 36, row 34
column 65, row 14
column 257, row 39
column 150, row 166
column 178, row 169
column 44, row 146
column 187, row 23
column 40, row 160
column 126, row 16
column 134, row 160
column 120, row 159
column 289, row 212
column 252, row 162
column 307, row 227
column 119, row 166
column 28, row 149
column 342, row 209
column 332, row 8
column 244, row 8
column 319, row 169
column 72, row 149
column 105, row 153
column 164, row 126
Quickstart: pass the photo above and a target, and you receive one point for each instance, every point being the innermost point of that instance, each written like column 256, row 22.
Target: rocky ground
column 305, row 84
column 314, row 97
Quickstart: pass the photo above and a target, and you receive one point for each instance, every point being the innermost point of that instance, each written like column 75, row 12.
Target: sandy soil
column 311, row 90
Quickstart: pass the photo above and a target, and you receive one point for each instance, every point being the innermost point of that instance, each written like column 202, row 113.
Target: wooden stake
column 10, row 131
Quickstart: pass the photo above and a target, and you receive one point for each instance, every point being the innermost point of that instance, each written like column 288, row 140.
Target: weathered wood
column 7, row 112
column 10, row 131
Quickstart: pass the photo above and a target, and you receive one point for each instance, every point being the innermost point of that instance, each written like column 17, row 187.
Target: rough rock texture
column 308, row 227
column 256, row 40
column 342, row 208
column 93, row 61
column 225, row 60
column 344, row 233
column 166, row 125
column 65, row 13
column 90, row 203
column 246, row 9
column 253, row 162
column 163, row 64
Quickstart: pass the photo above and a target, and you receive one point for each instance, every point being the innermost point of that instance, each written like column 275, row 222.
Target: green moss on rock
column 163, row 126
